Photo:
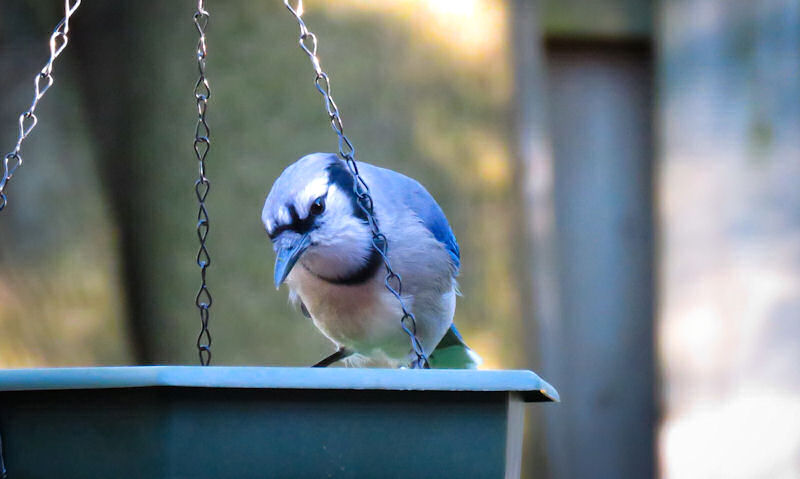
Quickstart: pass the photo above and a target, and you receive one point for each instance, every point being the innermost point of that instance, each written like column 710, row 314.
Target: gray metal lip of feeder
column 243, row 422
column 531, row 387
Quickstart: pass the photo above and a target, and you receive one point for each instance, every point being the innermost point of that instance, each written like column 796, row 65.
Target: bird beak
column 287, row 257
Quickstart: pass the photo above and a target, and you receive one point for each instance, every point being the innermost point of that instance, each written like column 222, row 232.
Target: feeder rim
column 527, row 384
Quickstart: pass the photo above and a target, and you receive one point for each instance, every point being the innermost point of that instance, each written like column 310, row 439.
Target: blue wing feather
column 416, row 197
column 423, row 205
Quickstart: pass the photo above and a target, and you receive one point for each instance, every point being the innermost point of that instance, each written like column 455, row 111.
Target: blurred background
column 622, row 176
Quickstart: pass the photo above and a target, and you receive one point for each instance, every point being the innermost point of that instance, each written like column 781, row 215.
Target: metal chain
column 393, row 282
column 202, row 143
column 3, row 472
column 41, row 82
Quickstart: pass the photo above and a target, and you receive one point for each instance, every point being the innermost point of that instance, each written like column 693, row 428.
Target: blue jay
column 325, row 255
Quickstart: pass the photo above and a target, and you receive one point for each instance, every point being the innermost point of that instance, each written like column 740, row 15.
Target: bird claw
column 340, row 354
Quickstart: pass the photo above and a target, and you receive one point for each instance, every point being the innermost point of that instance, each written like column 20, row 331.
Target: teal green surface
column 254, row 422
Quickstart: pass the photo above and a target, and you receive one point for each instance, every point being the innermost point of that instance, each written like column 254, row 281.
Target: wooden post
column 585, row 138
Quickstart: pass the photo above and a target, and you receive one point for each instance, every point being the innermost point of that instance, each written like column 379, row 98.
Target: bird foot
column 340, row 354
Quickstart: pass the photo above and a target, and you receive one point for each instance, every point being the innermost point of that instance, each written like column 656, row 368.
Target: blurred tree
column 585, row 135
column 60, row 297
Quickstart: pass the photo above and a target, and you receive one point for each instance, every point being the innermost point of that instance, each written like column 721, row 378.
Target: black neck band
column 360, row 276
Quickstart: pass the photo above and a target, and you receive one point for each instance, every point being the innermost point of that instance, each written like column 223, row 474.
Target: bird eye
column 318, row 206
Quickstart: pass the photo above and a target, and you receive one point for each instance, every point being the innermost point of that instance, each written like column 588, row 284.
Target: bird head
column 312, row 217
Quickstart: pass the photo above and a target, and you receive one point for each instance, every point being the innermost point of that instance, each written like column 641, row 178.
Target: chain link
column 202, row 143
column 3, row 472
column 41, row 82
column 393, row 282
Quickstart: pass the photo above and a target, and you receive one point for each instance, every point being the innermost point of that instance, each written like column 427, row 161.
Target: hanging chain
column 41, row 82
column 202, row 143
column 393, row 282
column 3, row 472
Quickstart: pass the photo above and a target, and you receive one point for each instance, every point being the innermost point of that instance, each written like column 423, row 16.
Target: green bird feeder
column 260, row 422
column 255, row 422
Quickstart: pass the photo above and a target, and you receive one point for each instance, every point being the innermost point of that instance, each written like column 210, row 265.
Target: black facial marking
column 298, row 225
column 339, row 175
column 360, row 276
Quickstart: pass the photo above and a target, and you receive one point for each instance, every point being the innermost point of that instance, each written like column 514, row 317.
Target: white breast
column 364, row 318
